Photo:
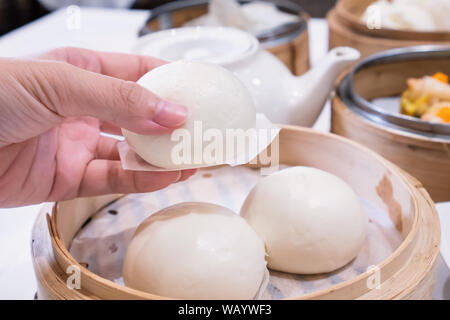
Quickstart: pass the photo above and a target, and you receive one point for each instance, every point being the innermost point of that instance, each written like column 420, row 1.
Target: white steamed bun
column 310, row 220
column 212, row 94
column 196, row 251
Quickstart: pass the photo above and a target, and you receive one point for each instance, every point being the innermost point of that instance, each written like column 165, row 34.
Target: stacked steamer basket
column 289, row 43
column 421, row 148
column 347, row 29
column 408, row 272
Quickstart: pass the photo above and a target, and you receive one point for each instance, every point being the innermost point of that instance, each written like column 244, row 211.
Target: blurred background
column 15, row 13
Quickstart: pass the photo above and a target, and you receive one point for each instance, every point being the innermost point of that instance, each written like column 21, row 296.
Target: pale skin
column 52, row 110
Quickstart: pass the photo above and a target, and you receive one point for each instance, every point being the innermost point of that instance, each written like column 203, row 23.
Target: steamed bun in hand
column 310, row 220
column 212, row 94
column 196, row 251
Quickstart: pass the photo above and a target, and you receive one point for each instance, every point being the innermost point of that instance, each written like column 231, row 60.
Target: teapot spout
column 313, row 88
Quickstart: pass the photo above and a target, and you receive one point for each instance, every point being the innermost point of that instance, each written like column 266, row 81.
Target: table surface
column 111, row 30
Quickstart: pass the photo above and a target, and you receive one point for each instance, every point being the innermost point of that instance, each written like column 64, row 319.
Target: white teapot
column 281, row 96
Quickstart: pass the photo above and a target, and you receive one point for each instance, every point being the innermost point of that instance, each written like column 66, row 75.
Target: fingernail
column 170, row 114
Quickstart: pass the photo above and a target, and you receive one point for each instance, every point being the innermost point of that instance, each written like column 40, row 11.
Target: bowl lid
column 374, row 112
column 219, row 45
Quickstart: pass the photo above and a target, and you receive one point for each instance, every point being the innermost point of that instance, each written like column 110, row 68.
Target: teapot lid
column 218, row 45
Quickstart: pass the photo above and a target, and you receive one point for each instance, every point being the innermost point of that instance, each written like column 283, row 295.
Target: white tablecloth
column 107, row 30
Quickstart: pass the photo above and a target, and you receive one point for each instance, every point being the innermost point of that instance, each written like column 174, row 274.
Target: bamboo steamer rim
column 404, row 125
column 353, row 21
column 64, row 253
column 414, row 188
column 361, row 41
column 431, row 158
column 385, row 126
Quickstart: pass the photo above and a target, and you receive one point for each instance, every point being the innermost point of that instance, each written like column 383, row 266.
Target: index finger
column 118, row 65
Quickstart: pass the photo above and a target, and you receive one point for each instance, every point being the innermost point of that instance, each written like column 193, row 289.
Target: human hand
column 53, row 108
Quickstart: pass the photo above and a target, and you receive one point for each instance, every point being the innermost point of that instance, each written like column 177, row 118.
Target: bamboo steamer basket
column 419, row 147
column 291, row 46
column 346, row 29
column 409, row 273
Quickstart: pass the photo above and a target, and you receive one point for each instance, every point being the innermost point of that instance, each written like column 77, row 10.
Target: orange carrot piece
column 441, row 77
column 444, row 114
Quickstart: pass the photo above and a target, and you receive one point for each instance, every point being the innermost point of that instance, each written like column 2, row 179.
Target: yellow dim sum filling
column 427, row 98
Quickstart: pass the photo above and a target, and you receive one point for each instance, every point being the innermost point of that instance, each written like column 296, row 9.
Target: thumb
column 77, row 92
